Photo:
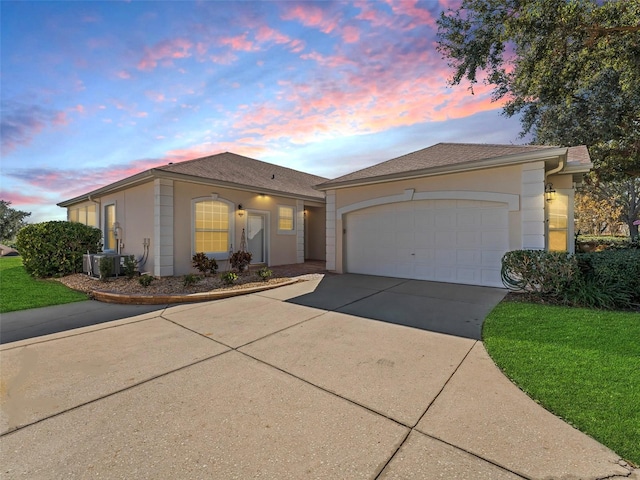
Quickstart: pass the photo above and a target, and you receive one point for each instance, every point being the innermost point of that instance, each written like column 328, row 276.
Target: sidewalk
column 260, row 387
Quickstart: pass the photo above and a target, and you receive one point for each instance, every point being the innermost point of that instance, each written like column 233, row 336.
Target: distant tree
column 596, row 215
column 568, row 68
column 11, row 221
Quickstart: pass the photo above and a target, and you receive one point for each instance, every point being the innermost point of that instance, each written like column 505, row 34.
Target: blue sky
column 95, row 91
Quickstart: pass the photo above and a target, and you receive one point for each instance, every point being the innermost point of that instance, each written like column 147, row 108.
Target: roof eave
column 235, row 186
column 134, row 180
column 159, row 173
column 546, row 155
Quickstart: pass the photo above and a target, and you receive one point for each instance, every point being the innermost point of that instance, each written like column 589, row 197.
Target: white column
column 532, row 206
column 299, row 231
column 163, row 228
column 331, row 230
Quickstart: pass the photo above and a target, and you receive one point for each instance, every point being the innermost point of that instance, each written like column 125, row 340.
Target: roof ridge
column 293, row 170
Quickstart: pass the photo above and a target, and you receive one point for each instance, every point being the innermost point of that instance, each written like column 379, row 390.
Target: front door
column 256, row 237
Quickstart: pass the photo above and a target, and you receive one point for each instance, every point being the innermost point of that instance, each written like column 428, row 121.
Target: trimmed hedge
column 538, row 271
column 609, row 279
column 55, row 249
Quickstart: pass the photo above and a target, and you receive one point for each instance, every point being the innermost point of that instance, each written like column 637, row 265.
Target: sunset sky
column 96, row 91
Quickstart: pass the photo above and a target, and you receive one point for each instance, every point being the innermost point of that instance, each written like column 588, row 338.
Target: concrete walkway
column 263, row 386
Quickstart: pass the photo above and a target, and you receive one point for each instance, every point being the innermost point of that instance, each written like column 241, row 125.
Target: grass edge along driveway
column 583, row 365
column 20, row 291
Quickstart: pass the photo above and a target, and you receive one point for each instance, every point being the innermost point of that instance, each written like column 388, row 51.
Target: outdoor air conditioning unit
column 91, row 263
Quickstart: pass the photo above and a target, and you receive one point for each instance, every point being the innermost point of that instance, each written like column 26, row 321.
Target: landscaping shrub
column 229, row 278
column 145, row 280
column 538, row 271
column 106, row 268
column 609, row 279
column 240, row 260
column 586, row 243
column 130, row 266
column 264, row 273
column 615, row 274
column 190, row 280
column 204, row 264
column 55, row 249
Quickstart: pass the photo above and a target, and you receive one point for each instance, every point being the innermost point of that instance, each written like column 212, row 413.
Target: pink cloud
column 373, row 15
column 357, row 92
column 206, row 149
column 409, row 8
column 267, row 34
column 226, row 58
column 123, row 74
column 17, row 198
column 165, row 52
column 240, row 43
column 155, row 96
column 21, row 123
column 327, row 61
column 311, row 15
column 350, row 34
column 297, row 46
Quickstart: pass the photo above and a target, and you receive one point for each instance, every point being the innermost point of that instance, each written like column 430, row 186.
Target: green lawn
column 19, row 291
column 583, row 365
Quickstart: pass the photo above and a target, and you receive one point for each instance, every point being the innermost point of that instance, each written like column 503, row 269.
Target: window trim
column 108, row 229
column 568, row 229
column 292, row 231
column 231, row 229
column 86, row 208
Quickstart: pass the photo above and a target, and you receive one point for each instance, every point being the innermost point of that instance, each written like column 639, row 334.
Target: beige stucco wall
column 134, row 213
column 496, row 180
column 281, row 248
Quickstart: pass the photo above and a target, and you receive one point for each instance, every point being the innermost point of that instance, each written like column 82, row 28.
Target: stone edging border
column 139, row 299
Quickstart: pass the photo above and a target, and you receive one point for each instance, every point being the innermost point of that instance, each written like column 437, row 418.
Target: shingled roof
column 451, row 156
column 227, row 170
column 232, row 169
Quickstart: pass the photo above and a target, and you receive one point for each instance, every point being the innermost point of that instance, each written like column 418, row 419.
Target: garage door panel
column 404, row 220
column 444, row 219
column 491, row 277
column 468, row 275
column 491, row 257
column 425, row 254
column 468, row 220
column 405, row 240
column 424, row 222
column 443, row 240
column 493, row 219
column 469, row 257
column 468, row 239
column 445, row 273
column 493, row 239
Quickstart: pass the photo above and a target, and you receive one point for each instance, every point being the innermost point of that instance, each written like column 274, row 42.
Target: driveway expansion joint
column 110, row 394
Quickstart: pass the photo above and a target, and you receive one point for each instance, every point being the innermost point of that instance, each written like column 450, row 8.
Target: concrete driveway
column 278, row 385
column 438, row 307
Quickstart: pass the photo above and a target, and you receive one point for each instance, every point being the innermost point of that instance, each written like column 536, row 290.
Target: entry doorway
column 257, row 237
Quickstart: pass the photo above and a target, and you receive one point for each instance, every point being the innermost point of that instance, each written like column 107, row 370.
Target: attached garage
column 449, row 212
column 458, row 241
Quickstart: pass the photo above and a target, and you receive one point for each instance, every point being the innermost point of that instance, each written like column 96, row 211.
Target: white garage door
column 458, row 241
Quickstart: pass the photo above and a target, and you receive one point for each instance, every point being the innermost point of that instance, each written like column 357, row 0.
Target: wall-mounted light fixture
column 240, row 210
column 549, row 192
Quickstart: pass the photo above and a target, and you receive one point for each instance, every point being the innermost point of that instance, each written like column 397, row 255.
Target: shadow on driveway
column 448, row 308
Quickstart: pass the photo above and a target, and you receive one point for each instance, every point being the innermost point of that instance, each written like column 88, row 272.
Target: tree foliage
column 11, row 221
column 569, row 68
column 596, row 215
